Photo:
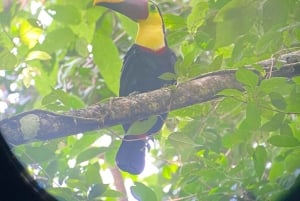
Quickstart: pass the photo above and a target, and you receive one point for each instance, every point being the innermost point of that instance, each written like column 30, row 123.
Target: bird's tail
column 131, row 154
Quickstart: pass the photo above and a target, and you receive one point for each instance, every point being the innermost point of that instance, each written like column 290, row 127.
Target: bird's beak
column 134, row 9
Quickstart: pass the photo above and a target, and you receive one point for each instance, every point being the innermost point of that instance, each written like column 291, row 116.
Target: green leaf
column 76, row 183
column 141, row 127
column 182, row 140
column 8, row 61
column 92, row 175
column 40, row 154
column 142, row 192
column 247, row 77
column 292, row 161
column 51, row 168
column 97, row 190
column 277, row 100
column 5, row 40
column 112, row 194
column 174, row 22
column 284, row 141
column 128, row 25
column 197, row 16
column 57, row 39
column 167, row 76
column 66, row 14
column 275, row 84
column 276, row 171
column 275, row 13
column 269, row 42
column 82, row 47
column 61, row 193
column 230, row 140
column 217, row 62
column 234, row 14
column 69, row 100
column 253, row 118
column 106, row 56
column 83, row 143
column 260, row 159
column 169, row 170
column 294, row 100
column 274, row 123
column 285, row 129
column 231, row 93
column 90, row 153
column 183, row 144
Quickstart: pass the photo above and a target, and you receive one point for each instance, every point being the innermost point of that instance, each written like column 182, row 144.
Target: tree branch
column 45, row 125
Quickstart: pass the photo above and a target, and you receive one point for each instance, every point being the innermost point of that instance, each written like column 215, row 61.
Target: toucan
column 144, row 67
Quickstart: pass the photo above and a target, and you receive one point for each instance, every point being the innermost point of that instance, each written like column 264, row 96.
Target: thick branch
column 44, row 125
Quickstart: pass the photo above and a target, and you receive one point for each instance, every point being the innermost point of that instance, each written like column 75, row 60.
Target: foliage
column 244, row 146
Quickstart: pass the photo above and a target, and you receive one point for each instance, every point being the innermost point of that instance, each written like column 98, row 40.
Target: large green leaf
column 284, row 141
column 57, row 39
column 233, row 20
column 260, row 160
column 106, row 56
column 292, row 161
column 253, row 118
column 67, row 14
column 247, row 77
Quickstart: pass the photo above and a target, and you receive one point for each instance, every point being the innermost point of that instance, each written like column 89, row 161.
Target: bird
column 143, row 70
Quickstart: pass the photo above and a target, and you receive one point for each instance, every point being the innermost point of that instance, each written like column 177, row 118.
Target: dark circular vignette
column 16, row 184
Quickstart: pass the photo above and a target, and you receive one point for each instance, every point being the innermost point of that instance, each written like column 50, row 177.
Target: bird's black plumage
column 141, row 72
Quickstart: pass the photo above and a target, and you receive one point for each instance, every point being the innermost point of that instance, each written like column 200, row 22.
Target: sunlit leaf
column 260, row 159
column 40, row 55
column 29, row 34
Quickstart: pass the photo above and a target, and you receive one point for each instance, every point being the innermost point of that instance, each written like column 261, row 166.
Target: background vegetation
column 63, row 55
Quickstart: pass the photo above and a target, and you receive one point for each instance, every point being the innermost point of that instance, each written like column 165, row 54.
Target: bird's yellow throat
column 150, row 32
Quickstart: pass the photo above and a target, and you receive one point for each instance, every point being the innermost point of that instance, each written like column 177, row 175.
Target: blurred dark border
column 16, row 184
